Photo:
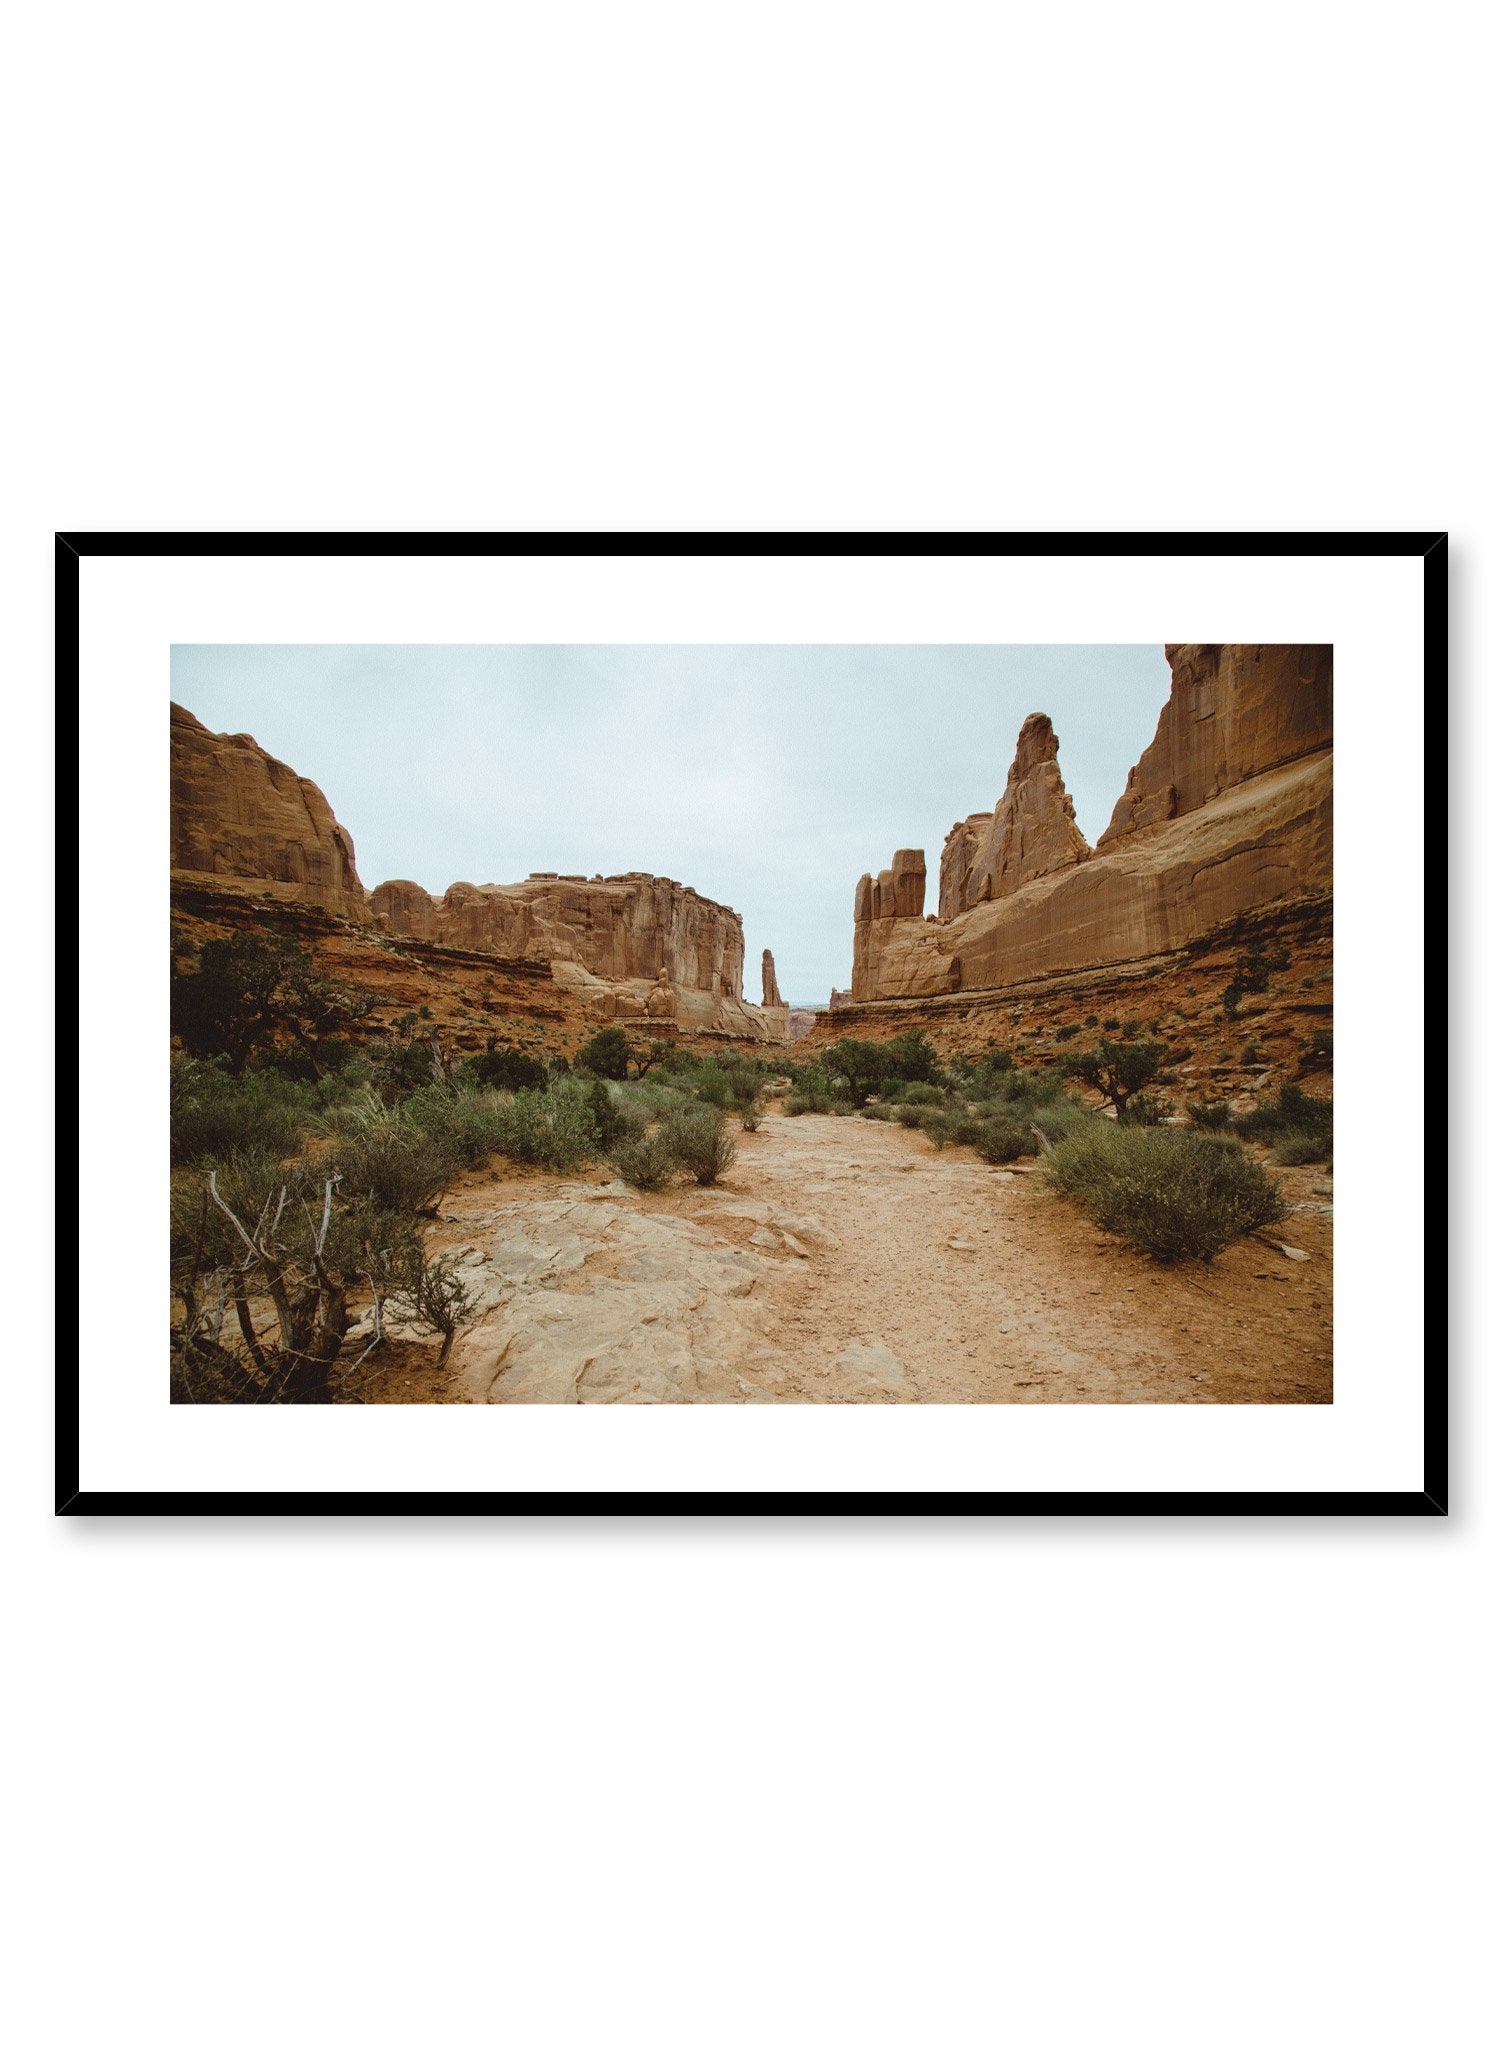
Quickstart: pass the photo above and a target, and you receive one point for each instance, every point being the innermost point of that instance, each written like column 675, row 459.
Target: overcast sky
column 768, row 778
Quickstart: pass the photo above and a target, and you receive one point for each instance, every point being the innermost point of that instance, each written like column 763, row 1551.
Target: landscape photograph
column 751, row 1025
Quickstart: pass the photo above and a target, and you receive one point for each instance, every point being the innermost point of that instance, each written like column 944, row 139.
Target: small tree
column 860, row 1064
column 606, row 1054
column 911, row 1056
column 248, row 990
column 1116, row 1068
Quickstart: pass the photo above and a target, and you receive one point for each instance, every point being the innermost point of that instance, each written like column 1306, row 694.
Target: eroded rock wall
column 238, row 813
column 1032, row 831
column 1228, row 810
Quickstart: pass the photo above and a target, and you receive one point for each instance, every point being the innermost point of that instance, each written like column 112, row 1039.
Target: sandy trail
column 846, row 1260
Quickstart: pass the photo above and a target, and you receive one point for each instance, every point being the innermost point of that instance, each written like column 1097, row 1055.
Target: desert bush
column 751, row 1113
column 1252, row 1053
column 924, row 1092
column 713, row 1085
column 1171, row 1194
column 555, row 1128
column 1117, row 1071
column 1149, row 1107
column 1292, row 1113
column 701, row 1145
column 249, row 990
column 861, row 1065
column 1059, row 1119
column 506, row 1067
column 912, row 1056
column 1001, row 1141
column 645, row 1162
column 965, row 1128
column 936, row 1127
column 613, row 1119
column 801, row 1104
column 911, row 1115
column 607, row 1054
column 215, row 1114
column 1209, row 1116
column 1303, row 1148
column 465, row 1122
column 878, row 1112
column 395, row 1165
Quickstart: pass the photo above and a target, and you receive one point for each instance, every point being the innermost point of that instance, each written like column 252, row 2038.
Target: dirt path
column 843, row 1260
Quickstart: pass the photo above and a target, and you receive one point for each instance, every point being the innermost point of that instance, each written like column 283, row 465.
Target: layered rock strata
column 629, row 946
column 1228, row 810
column 238, row 813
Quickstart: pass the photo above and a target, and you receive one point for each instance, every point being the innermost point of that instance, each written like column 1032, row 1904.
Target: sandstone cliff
column 618, row 927
column 771, row 1000
column 1228, row 810
column 1233, row 713
column 626, row 946
column 238, row 813
column 1031, row 832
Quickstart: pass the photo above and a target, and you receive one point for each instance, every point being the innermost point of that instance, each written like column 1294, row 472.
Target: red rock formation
column 633, row 945
column 1031, row 832
column 620, row 928
column 1228, row 811
column 1233, row 712
column 237, row 812
column 771, row 1000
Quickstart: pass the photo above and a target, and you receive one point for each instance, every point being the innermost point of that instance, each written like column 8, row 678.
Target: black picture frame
column 72, row 548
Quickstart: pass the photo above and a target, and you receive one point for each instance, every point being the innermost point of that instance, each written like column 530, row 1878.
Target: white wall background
column 811, row 266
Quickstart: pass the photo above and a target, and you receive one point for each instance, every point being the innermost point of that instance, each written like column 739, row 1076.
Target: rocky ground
column 848, row 1261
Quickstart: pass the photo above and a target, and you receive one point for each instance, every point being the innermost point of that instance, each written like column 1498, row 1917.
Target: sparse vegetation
column 646, row 1162
column 700, row 1143
column 1117, row 1071
column 1171, row 1194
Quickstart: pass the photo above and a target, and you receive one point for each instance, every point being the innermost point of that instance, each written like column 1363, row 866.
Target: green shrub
column 606, row 1054
column 964, row 1128
column 555, row 1128
column 1117, row 1071
column 751, row 1113
column 1148, row 1108
column 1058, row 1120
column 912, row 1056
column 861, row 1066
column 1171, row 1194
column 936, row 1127
column 464, row 1121
column 878, row 1112
column 395, row 1166
column 215, row 1115
column 1209, row 1116
column 646, row 1162
column 924, row 1092
column 506, row 1067
column 700, row 1144
column 1303, row 1148
column 999, row 1142
column 1252, row 1053
column 713, row 1085
column 1291, row 1113
column 911, row 1115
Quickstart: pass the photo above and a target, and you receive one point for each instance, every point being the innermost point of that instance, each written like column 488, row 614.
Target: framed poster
column 725, row 1023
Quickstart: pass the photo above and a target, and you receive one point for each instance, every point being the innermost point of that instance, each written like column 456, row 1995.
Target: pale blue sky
column 769, row 778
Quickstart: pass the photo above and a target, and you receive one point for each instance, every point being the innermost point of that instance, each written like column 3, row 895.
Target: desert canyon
column 842, row 1259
